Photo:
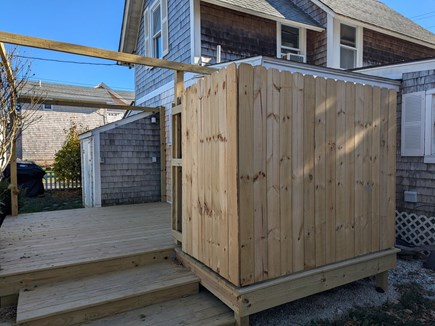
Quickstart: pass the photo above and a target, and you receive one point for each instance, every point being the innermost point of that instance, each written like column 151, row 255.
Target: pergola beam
column 100, row 53
column 87, row 104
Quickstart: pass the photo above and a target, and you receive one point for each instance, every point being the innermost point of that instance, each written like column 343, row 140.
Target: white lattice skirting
column 418, row 230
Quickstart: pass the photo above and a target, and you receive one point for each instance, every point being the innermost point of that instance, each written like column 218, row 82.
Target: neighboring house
column 121, row 162
column 341, row 34
column 45, row 132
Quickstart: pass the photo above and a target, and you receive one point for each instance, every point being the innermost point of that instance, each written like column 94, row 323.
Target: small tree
column 67, row 163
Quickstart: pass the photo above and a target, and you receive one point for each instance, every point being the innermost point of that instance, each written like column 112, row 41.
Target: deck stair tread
column 196, row 310
column 97, row 290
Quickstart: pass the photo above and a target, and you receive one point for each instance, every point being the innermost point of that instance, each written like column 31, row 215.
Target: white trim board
column 115, row 124
column 396, row 71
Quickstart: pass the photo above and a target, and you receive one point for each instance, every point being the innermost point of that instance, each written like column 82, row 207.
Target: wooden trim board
column 248, row 300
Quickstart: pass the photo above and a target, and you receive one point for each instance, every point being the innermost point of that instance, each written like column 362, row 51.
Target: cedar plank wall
column 240, row 35
column 316, row 41
column 381, row 49
column 258, row 207
column 128, row 175
column 412, row 173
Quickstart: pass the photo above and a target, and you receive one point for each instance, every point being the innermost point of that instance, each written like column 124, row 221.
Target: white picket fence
column 52, row 183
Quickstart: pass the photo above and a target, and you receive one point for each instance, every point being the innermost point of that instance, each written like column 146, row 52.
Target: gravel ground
column 334, row 303
column 7, row 316
column 327, row 305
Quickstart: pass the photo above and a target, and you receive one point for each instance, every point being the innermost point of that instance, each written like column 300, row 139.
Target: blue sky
column 97, row 23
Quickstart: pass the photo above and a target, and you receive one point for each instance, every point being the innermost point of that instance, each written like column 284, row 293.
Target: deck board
column 61, row 238
column 200, row 309
column 70, row 296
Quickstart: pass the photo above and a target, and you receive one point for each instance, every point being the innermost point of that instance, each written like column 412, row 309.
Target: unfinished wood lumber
column 285, row 172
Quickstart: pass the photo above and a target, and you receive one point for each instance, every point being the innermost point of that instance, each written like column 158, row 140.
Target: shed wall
column 128, row 175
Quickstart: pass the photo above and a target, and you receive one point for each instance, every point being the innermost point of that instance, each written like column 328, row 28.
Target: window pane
column 348, row 35
column 347, row 58
column 289, row 37
column 158, row 46
column 157, row 24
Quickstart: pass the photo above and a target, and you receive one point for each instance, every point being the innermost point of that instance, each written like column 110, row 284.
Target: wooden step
column 90, row 298
column 196, row 310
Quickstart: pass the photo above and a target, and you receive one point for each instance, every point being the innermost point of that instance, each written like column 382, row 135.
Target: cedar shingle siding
column 412, row 173
column 381, row 49
column 146, row 79
column 239, row 34
column 128, row 175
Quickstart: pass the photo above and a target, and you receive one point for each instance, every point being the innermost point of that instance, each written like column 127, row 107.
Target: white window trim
column 164, row 32
column 302, row 40
column 152, row 36
column 429, row 157
column 195, row 31
column 334, row 45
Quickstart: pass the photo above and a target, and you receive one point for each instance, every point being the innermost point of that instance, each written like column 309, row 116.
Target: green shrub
column 67, row 159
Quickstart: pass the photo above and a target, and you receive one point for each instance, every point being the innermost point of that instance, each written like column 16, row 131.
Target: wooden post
column 163, row 155
column 382, row 282
column 13, row 159
column 176, row 156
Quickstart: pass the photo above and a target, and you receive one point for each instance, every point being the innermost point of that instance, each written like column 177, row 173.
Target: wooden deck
column 44, row 242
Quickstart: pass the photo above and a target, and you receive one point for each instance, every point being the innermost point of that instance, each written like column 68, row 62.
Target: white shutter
column 147, row 32
column 165, row 27
column 413, row 116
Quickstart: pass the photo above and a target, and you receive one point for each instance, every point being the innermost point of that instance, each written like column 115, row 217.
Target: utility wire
column 68, row 61
column 421, row 15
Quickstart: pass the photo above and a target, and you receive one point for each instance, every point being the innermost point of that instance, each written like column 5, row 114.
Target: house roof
column 279, row 10
column 272, row 9
column 100, row 93
column 378, row 14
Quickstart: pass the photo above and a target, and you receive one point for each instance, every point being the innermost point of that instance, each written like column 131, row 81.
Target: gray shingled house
column 121, row 162
column 342, row 34
column 45, row 133
column 415, row 178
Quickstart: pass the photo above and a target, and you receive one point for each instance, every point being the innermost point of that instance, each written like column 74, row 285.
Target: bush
column 67, row 160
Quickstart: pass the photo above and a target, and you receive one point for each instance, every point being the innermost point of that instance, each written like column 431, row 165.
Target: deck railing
column 52, row 183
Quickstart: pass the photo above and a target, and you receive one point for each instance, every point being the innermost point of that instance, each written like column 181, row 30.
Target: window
column 348, row 47
column 156, row 29
column 289, row 40
column 418, row 125
column 47, row 107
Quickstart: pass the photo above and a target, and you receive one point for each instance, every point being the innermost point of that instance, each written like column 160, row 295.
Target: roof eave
column 130, row 25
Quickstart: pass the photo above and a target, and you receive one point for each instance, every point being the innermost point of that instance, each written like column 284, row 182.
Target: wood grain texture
column 100, row 53
column 246, row 173
column 311, row 172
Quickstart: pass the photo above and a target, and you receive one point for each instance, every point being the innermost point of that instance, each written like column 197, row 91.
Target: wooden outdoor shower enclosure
column 284, row 172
